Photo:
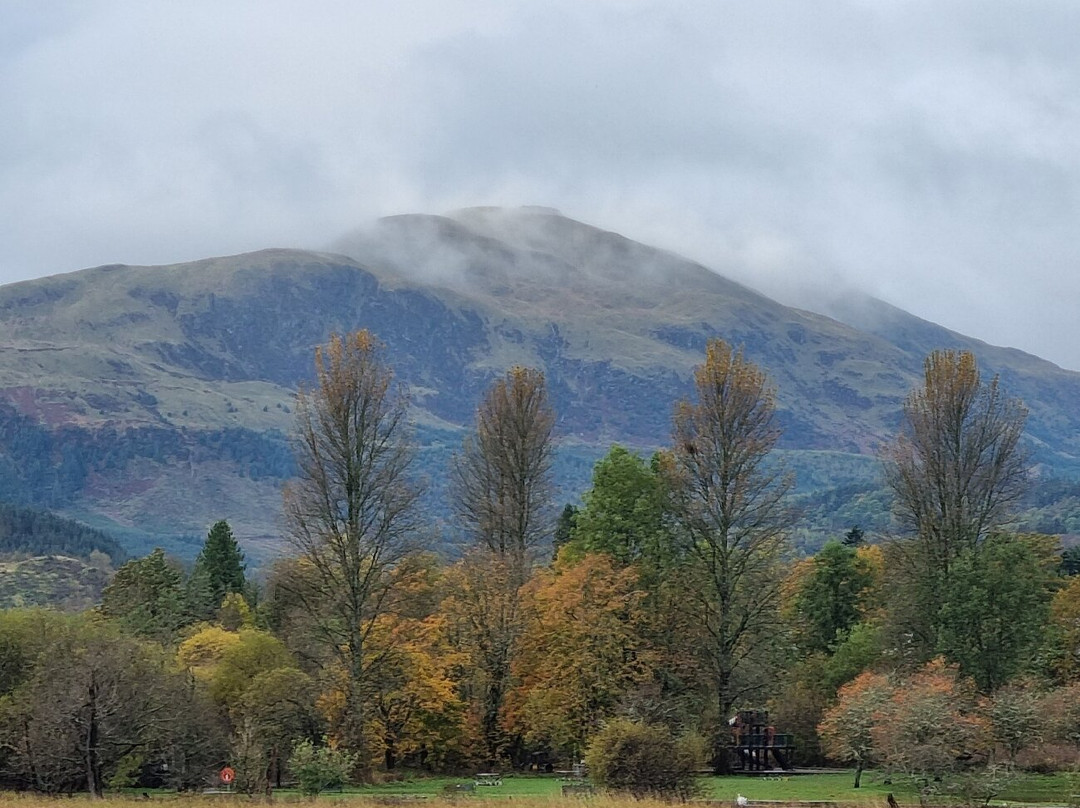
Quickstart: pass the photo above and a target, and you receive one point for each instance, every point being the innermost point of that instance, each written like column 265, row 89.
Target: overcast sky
column 926, row 152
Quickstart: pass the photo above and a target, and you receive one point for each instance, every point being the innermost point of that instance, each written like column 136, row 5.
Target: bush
column 643, row 760
column 319, row 767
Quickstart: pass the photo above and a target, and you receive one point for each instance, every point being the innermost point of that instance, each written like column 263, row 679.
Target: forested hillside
column 27, row 531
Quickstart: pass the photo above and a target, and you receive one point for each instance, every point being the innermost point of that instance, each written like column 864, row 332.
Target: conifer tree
column 219, row 569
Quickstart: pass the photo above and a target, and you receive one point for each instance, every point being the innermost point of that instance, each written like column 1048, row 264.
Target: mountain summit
column 155, row 400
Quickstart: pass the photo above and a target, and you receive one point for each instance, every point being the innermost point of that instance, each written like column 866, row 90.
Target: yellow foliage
column 581, row 651
column 1065, row 627
column 203, row 650
column 235, row 613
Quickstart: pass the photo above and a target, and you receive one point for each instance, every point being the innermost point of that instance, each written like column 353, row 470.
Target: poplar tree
column 729, row 503
column 957, row 469
column 350, row 512
column 502, row 490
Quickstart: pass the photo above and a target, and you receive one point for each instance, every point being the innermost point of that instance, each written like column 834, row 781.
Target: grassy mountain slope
column 155, row 400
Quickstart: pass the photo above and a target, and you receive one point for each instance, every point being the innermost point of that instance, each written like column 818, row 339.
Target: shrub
column 641, row 759
column 319, row 767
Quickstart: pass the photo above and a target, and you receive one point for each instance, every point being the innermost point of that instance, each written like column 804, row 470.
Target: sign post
column 228, row 775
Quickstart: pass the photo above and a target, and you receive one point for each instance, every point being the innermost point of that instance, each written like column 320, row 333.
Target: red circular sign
column 227, row 775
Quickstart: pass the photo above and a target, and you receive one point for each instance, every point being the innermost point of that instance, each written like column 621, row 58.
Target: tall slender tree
column 501, row 479
column 502, row 489
column 728, row 500
column 351, row 510
column 957, row 468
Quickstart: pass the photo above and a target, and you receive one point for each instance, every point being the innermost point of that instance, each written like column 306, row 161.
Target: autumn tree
column 350, row 511
column 483, row 610
column 416, row 711
column 728, row 500
column 957, row 468
column 501, row 487
column 846, row 729
column 582, row 652
column 1015, row 716
column 931, row 728
column 501, row 479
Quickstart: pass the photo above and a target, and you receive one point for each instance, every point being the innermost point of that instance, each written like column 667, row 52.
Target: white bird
column 741, row 801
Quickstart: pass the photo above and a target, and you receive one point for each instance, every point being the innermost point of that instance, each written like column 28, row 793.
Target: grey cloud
column 922, row 151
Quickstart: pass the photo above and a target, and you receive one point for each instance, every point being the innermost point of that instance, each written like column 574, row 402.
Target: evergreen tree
column 219, row 570
column 564, row 528
column 147, row 595
column 1070, row 561
column 854, row 537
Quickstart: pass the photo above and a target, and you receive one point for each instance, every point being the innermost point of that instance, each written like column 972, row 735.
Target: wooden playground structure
column 756, row 746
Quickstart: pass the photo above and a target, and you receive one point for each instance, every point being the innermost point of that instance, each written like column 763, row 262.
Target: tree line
column 666, row 601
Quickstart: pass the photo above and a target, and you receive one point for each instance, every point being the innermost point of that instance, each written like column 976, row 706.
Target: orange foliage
column 931, row 724
column 581, row 651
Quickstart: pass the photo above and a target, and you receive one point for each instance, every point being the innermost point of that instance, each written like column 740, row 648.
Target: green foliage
column 855, row 652
column 831, row 596
column 623, row 512
column 643, row 760
column 564, row 527
column 147, row 595
column 59, row 582
column 854, row 537
column 219, row 569
column 1070, row 560
column 88, row 703
column 24, row 636
column 256, row 652
column 994, row 610
column 318, row 768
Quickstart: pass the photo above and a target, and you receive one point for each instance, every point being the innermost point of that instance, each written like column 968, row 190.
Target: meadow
column 531, row 791
column 1050, row 789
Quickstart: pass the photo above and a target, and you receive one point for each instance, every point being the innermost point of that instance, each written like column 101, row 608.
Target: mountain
column 154, row 400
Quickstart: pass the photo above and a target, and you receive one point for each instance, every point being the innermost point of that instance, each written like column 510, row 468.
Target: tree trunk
column 858, row 773
column 93, row 765
column 721, row 759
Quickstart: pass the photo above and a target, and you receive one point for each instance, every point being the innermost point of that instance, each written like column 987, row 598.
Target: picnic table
column 488, row 779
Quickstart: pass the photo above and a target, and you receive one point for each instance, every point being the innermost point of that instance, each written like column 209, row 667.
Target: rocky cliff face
column 154, row 400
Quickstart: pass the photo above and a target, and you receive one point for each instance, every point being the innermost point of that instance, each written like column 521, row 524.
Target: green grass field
column 832, row 786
